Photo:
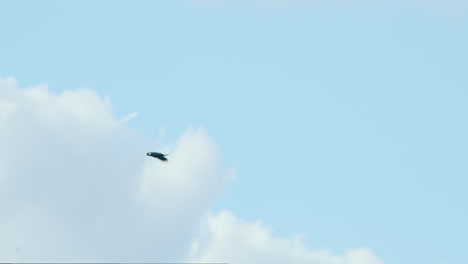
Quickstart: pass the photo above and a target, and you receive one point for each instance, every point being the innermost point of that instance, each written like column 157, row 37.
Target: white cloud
column 76, row 185
column 226, row 238
column 194, row 166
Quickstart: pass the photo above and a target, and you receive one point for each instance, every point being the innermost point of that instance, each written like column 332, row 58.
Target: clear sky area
column 319, row 132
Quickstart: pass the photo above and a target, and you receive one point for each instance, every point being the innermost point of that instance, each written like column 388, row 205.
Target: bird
column 157, row 155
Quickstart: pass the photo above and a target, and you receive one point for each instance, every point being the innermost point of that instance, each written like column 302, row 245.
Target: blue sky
column 345, row 122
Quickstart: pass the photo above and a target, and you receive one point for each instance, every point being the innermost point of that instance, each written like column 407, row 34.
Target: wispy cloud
column 434, row 4
column 129, row 117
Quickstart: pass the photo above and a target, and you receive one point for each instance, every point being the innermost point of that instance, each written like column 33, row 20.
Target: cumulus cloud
column 76, row 185
column 226, row 237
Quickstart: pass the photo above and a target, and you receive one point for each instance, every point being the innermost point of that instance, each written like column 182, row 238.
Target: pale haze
column 302, row 132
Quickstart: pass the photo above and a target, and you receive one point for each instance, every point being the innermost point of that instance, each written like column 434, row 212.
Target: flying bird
column 157, row 155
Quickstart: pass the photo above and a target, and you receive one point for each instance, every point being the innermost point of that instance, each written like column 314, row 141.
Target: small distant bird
column 157, row 155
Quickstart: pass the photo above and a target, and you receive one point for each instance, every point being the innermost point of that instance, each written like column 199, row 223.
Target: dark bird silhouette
column 157, row 155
